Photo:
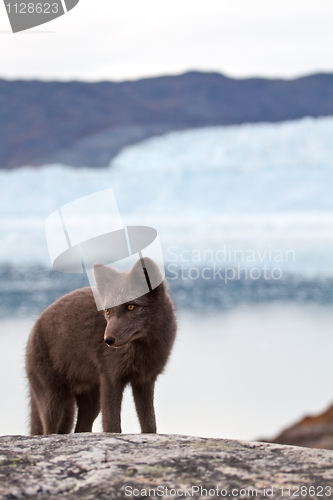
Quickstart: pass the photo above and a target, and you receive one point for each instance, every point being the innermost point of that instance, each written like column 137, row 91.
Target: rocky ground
column 105, row 466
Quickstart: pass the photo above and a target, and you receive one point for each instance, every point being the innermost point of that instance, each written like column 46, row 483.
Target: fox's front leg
column 111, row 398
column 144, row 402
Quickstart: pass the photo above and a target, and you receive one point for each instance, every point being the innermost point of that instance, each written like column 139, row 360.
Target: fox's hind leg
column 57, row 414
column 52, row 409
column 88, row 408
column 67, row 417
column 36, row 426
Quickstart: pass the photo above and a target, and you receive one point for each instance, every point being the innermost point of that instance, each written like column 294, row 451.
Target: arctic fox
column 80, row 357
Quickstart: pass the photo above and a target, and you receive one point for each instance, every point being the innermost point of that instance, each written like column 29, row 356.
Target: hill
column 87, row 124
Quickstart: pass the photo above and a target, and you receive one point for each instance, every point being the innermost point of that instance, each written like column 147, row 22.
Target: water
column 243, row 373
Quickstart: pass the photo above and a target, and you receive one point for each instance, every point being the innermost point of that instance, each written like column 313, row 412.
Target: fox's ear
column 154, row 272
column 104, row 276
column 150, row 270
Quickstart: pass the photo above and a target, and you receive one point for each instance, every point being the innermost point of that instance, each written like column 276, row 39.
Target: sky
column 131, row 39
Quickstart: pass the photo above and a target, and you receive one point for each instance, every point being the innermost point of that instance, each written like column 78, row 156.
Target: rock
column 105, row 466
column 312, row 431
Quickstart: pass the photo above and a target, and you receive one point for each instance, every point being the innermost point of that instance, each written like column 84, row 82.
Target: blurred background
column 213, row 123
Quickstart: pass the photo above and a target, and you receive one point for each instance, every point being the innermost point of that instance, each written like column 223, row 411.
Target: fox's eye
column 107, row 312
column 130, row 307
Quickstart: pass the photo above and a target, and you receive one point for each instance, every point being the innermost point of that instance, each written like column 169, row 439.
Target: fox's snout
column 110, row 336
column 119, row 332
column 109, row 341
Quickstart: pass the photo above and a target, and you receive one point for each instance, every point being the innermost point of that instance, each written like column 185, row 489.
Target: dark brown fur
column 68, row 363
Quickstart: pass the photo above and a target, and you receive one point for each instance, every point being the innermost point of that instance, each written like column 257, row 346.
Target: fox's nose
column 110, row 340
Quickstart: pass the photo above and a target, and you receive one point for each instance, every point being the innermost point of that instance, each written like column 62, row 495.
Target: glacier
column 250, row 186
